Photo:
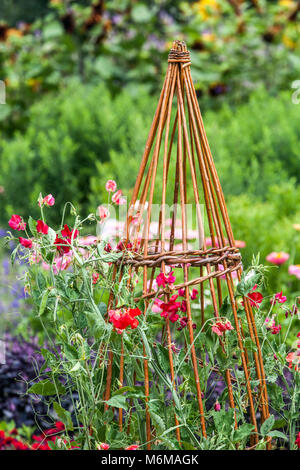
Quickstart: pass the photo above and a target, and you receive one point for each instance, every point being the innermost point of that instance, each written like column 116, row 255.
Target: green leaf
column 243, row 431
column 267, row 426
column 64, row 415
column 43, row 303
column 45, row 388
column 118, row 401
column 32, row 226
column 277, row 434
column 51, row 236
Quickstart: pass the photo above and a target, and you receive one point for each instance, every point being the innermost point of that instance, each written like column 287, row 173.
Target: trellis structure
column 177, row 141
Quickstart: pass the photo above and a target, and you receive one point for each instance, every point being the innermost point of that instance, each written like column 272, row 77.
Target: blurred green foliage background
column 82, row 81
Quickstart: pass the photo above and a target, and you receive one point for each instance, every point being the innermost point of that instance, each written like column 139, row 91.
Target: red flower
column 103, row 446
column 122, row 246
column 60, row 426
column 67, row 233
column 217, row 406
column 95, row 278
column 108, row 248
column 297, row 441
column 163, row 280
column 124, row 317
column 194, row 294
column 173, row 317
column 132, row 447
column 183, row 307
column 16, row 222
column 281, row 299
column 220, row 327
column 62, row 245
column 42, row 227
column 255, row 298
column 25, row 242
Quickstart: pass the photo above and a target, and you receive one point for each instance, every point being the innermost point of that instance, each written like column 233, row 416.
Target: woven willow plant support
column 185, row 139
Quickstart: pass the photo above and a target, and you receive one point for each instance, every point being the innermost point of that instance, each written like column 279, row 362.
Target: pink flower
column 233, row 273
column 271, row 325
column 183, row 307
column 297, row 441
column 49, row 200
column 156, row 306
column 221, row 327
column 118, row 198
column 132, row 447
column 25, row 242
column 181, row 292
column 103, row 446
column 42, row 227
column 95, row 278
column 217, row 406
column 103, row 212
column 153, row 285
column 277, row 257
column 293, row 360
column 275, row 330
column 16, row 223
column 280, row 298
column 194, row 294
column 294, row 270
column 162, row 279
column 239, row 243
column 61, row 263
column 111, row 186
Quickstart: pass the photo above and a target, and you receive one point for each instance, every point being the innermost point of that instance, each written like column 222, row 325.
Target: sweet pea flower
column 103, row 446
column 118, row 198
column 255, row 298
column 280, row 298
column 271, row 325
column 156, row 306
column 41, row 227
column 61, row 263
column 25, row 242
column 297, row 441
column 293, row 359
column 16, row 222
column 194, row 294
column 163, row 280
column 132, row 447
column 95, row 278
column 124, row 317
column 220, row 327
column 277, row 258
column 217, row 406
column 233, row 273
column 294, row 270
column 111, row 186
column 48, row 200
column 103, row 212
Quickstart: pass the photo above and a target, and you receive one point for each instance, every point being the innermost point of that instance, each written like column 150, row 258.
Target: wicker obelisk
column 177, row 160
